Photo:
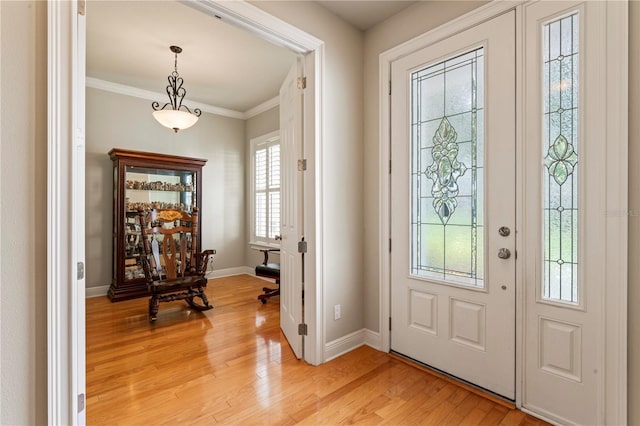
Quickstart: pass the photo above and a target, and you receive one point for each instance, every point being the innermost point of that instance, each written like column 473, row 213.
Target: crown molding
column 122, row 89
column 265, row 106
column 149, row 95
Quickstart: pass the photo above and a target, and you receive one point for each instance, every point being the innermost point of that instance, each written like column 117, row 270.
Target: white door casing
column 566, row 273
column 291, row 212
column 467, row 330
column 65, row 214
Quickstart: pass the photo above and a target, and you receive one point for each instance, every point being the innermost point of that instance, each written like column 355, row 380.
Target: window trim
column 254, row 144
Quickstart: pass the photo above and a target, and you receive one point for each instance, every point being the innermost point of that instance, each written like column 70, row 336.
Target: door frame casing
column 614, row 394
column 65, row 214
column 65, row 316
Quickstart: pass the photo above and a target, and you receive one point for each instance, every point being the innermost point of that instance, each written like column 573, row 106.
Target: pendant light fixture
column 173, row 114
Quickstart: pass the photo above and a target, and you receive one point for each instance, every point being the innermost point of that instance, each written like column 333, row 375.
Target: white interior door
column 453, row 205
column 565, row 200
column 291, row 278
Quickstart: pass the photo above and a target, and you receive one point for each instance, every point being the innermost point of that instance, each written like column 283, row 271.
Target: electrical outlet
column 336, row 312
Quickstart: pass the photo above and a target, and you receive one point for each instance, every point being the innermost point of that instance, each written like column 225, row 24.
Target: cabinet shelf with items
column 144, row 180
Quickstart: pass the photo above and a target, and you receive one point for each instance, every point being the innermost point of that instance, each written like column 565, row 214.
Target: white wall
column 259, row 125
column 23, row 213
column 119, row 121
column 342, row 168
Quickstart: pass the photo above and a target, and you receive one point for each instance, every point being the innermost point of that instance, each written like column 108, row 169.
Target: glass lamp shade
column 176, row 120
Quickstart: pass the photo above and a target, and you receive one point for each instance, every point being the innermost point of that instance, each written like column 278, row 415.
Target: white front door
column 291, row 278
column 566, row 198
column 453, row 205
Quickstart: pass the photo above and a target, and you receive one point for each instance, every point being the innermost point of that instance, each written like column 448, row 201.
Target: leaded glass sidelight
column 447, row 232
column 560, row 159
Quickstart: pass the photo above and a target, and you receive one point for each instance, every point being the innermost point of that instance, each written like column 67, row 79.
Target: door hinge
column 389, row 166
column 80, row 270
column 80, row 403
column 302, row 246
column 302, row 83
column 389, row 87
column 302, row 329
column 302, row 165
column 81, row 7
column 389, row 245
column 389, row 323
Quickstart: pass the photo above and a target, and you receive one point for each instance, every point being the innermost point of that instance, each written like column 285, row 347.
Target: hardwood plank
column 232, row 365
column 513, row 418
column 493, row 417
column 474, row 417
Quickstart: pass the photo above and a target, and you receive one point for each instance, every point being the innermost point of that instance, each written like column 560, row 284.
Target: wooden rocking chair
column 173, row 267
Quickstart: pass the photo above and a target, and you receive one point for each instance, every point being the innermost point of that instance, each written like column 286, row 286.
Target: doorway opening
column 66, row 396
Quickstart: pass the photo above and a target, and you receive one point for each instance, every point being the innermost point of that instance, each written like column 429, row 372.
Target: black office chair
column 271, row 271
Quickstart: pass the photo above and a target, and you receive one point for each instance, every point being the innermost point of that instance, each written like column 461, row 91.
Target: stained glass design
column 560, row 155
column 445, row 170
column 447, row 150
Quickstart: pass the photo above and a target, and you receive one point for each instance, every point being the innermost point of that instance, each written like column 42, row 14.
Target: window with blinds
column 266, row 189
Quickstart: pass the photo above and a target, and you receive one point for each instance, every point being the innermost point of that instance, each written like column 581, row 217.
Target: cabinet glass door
column 149, row 188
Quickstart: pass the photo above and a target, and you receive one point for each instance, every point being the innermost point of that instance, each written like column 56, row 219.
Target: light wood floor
column 231, row 365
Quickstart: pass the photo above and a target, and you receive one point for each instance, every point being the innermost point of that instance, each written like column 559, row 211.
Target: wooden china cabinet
column 146, row 180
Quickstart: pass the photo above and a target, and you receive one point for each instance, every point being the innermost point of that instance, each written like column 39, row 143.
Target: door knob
column 504, row 253
column 504, row 231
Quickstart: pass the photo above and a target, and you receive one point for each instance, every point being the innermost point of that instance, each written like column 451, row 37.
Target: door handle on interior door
column 504, row 253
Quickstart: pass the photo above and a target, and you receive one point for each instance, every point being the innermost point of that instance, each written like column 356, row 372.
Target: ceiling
column 128, row 44
column 364, row 14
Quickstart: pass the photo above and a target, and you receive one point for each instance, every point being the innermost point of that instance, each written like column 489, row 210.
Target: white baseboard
column 219, row 273
column 350, row 342
column 240, row 270
column 372, row 339
column 96, row 291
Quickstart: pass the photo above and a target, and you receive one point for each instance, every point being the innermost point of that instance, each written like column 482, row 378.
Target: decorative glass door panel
column 447, row 144
column 453, row 205
column 560, row 158
column 571, row 110
column 151, row 188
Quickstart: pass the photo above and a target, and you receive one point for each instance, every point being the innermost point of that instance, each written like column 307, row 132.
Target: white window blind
column 266, row 188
